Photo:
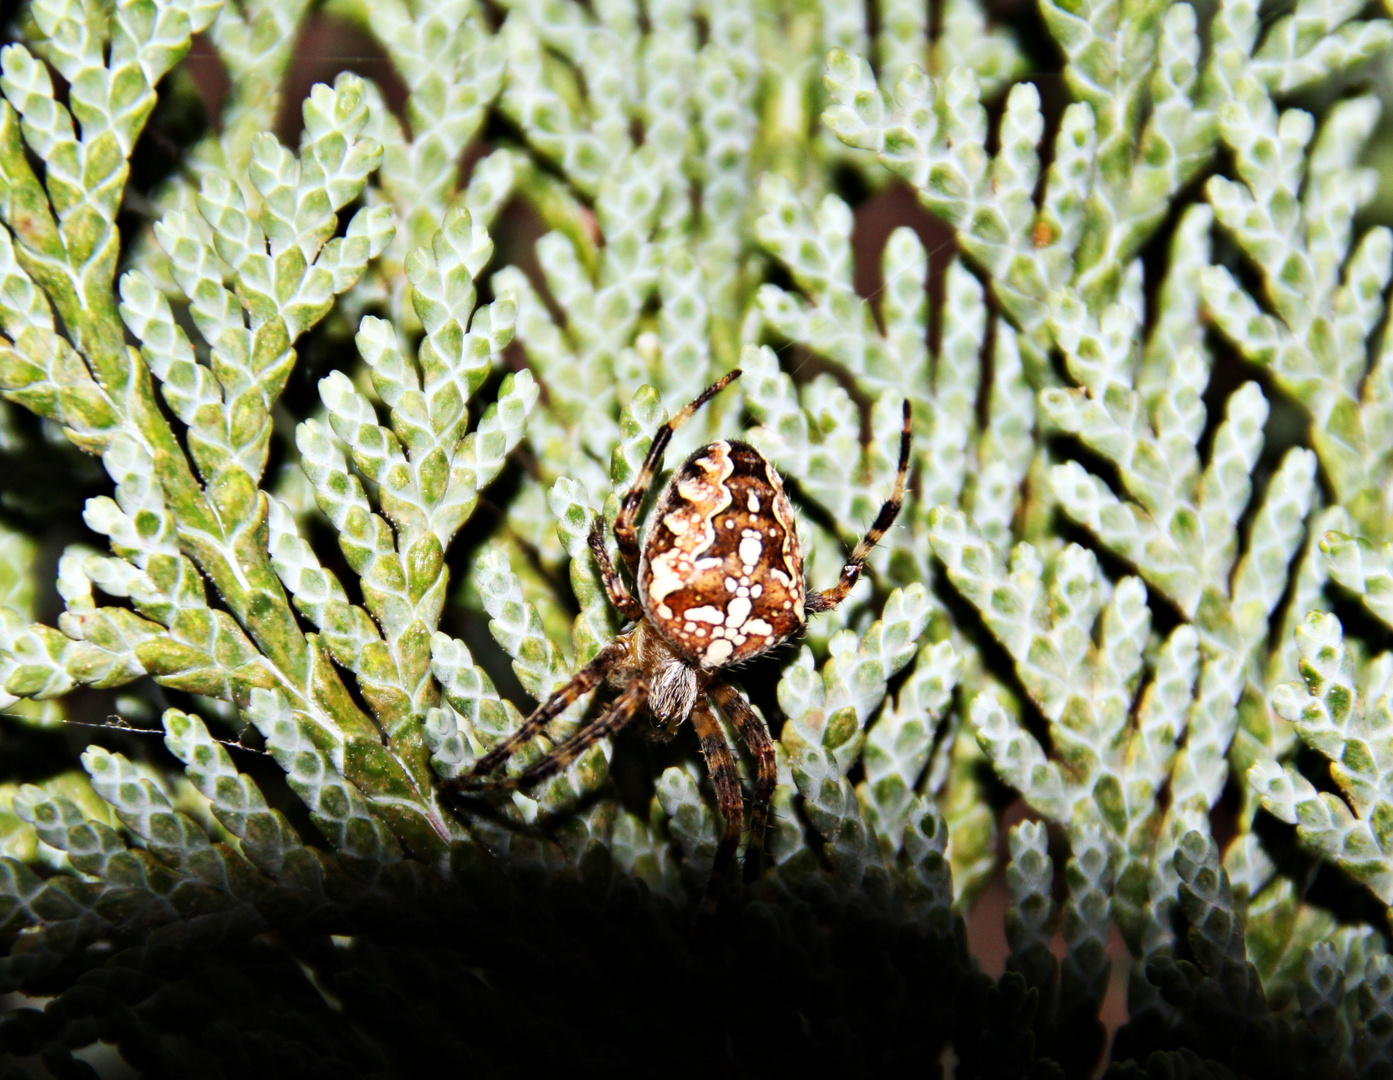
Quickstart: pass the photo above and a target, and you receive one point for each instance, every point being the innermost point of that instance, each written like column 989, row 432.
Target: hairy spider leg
column 582, row 682
column 827, row 599
column 756, row 736
column 624, row 708
column 624, row 531
column 619, row 595
column 720, row 762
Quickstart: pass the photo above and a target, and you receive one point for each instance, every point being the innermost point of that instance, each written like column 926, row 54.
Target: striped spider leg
column 827, row 599
column 625, row 533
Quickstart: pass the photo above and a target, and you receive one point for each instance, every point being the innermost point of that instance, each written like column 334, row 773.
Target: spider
column 720, row 580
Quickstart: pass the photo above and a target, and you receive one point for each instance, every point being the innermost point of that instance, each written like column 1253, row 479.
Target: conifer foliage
column 306, row 430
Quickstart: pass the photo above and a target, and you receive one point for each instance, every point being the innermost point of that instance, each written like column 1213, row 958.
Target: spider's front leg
column 624, row 708
column 582, row 682
column 619, row 595
column 625, row 530
column 827, row 599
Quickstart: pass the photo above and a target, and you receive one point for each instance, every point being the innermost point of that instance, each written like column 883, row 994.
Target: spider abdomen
column 721, row 574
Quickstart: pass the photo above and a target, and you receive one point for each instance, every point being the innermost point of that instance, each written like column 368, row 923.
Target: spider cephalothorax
column 720, row 581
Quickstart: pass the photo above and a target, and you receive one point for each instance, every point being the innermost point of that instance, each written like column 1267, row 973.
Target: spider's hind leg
column 624, row 525
column 582, row 682
column 827, row 599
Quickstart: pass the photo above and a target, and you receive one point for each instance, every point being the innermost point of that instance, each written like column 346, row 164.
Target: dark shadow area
column 394, row 972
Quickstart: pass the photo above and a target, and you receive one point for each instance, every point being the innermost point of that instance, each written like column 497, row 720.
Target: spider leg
column 618, row 595
column 827, row 599
column 624, row 530
column 721, row 764
column 756, row 737
column 582, row 682
column 620, row 713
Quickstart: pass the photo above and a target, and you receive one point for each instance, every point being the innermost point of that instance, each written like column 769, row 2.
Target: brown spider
column 720, row 580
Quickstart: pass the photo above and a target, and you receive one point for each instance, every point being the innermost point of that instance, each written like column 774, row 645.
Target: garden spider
column 720, row 580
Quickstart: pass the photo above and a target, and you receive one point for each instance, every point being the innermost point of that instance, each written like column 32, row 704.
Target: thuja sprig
column 815, row 244
column 1214, row 1006
column 1104, row 771
column 813, row 431
column 1347, row 721
column 426, row 472
column 255, row 277
column 1293, row 217
column 1142, row 410
column 823, row 736
column 255, row 43
column 287, row 270
column 453, row 67
column 1102, row 198
column 982, row 466
column 1068, row 991
column 964, row 37
column 63, row 248
column 1363, row 567
column 602, row 289
column 575, row 510
column 643, row 232
column 898, row 744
